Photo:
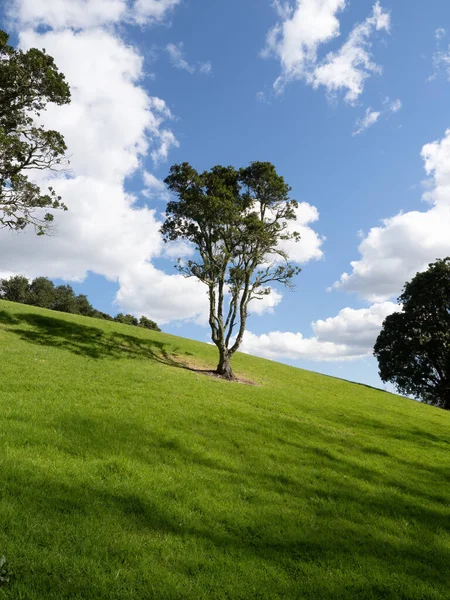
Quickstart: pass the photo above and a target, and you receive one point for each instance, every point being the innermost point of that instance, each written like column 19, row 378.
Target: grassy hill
column 124, row 475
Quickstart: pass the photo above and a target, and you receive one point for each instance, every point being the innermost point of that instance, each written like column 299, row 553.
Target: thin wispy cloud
column 369, row 119
column 372, row 116
column 179, row 61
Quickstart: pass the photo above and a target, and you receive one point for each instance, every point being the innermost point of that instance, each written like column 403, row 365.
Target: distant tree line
column 43, row 293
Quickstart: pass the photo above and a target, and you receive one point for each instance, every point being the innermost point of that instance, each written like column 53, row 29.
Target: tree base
column 224, row 369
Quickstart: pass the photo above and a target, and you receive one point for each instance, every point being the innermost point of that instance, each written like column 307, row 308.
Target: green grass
column 125, row 476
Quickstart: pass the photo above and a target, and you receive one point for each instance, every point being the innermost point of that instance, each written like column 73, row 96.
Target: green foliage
column 413, row 348
column 15, row 289
column 41, row 293
column 236, row 220
column 148, row 324
column 28, row 82
column 120, row 479
column 98, row 314
column 65, row 299
column 83, row 306
column 126, row 319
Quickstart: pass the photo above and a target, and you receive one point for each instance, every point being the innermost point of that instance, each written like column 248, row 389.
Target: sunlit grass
column 124, row 475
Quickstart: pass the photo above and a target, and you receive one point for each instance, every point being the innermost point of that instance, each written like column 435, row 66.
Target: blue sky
column 156, row 83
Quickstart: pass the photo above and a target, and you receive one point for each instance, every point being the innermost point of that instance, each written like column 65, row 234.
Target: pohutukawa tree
column 413, row 348
column 28, row 82
column 237, row 220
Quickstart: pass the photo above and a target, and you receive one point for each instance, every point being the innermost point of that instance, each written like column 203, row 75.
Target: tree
column 42, row 293
column 15, row 289
column 28, row 82
column 65, row 299
column 98, row 314
column 148, row 324
column 83, row 306
column 236, row 220
column 413, row 348
column 126, row 319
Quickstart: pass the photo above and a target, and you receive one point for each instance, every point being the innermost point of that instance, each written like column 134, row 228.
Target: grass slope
column 125, row 476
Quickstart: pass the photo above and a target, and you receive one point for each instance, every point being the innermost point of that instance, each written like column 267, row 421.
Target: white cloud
column 105, row 137
column 103, row 231
column 394, row 105
column 301, row 31
column 111, row 123
column 84, row 14
column 175, row 52
column 144, row 11
column 154, row 188
column 441, row 62
column 371, row 116
column 441, row 58
column 295, row 39
column 350, row 335
column 265, row 304
column 111, row 126
column 178, row 60
column 205, row 68
column 404, row 244
column 369, row 119
column 347, row 69
column 309, row 247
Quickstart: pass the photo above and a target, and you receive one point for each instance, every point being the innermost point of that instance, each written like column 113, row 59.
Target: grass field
column 124, row 475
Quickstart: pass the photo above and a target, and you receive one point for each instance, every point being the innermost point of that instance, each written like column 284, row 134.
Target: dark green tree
column 98, row 314
column 126, row 319
column 15, row 289
column 83, row 306
column 42, row 293
column 148, row 324
column 413, row 348
column 236, row 220
column 28, row 82
column 65, row 299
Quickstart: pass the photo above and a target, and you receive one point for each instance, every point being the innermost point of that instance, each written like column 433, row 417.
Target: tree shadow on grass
column 333, row 539
column 95, row 343
column 88, row 341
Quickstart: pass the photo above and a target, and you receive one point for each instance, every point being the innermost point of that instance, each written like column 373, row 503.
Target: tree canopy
column 236, row 219
column 42, row 292
column 28, row 82
column 413, row 348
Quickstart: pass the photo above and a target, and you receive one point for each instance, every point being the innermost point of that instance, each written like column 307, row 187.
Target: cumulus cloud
column 110, row 125
column 84, row 14
column 179, row 61
column 309, row 247
column 406, row 243
column 265, row 304
column 113, row 127
column 154, row 188
column 300, row 32
column 350, row 335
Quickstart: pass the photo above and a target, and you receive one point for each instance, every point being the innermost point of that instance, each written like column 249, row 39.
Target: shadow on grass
column 344, row 529
column 88, row 341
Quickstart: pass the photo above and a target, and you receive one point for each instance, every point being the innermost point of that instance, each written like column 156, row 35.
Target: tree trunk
column 224, row 366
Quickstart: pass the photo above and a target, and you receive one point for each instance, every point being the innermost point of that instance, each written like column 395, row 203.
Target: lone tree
column 236, row 220
column 413, row 348
column 28, row 82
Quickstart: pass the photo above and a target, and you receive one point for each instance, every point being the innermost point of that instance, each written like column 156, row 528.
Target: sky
column 348, row 99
